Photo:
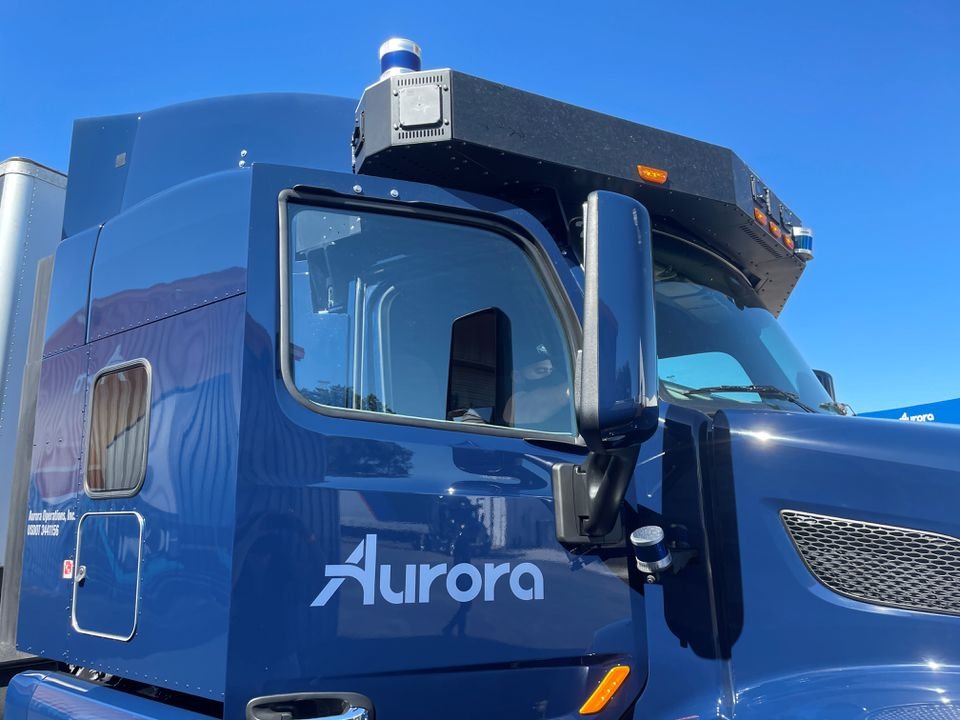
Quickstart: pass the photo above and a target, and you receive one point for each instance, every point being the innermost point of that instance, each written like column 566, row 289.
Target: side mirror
column 617, row 397
column 480, row 379
column 826, row 379
column 617, row 382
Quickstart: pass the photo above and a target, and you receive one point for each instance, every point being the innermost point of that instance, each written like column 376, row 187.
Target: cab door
column 396, row 534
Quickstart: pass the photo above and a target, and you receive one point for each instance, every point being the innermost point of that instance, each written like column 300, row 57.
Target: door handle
column 352, row 713
column 311, row 706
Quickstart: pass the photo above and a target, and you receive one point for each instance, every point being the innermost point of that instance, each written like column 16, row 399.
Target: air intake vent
column 428, row 133
column 917, row 712
column 881, row 564
column 420, row 79
column 761, row 237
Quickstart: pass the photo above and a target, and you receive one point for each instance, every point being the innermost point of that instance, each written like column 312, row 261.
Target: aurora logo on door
column 463, row 582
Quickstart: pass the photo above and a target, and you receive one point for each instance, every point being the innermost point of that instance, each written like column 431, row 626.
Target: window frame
column 110, row 369
column 513, row 231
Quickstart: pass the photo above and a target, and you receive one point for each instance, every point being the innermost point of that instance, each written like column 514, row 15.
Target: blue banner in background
column 946, row 411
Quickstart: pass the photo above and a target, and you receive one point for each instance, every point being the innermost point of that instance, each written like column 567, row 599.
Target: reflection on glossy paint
column 763, row 436
column 186, row 502
column 55, row 680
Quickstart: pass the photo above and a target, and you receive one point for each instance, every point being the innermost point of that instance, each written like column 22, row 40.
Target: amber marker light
column 775, row 230
column 605, row 690
column 652, row 174
column 788, row 241
column 760, row 216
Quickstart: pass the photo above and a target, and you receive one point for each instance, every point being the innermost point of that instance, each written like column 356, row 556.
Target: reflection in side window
column 424, row 319
column 117, row 447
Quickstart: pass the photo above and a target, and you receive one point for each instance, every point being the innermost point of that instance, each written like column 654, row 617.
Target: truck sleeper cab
column 317, row 443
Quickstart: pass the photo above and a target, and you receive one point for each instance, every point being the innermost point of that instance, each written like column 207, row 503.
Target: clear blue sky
column 850, row 110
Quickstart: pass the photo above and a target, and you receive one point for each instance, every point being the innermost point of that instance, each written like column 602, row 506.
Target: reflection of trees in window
column 344, row 396
column 422, row 318
column 353, row 457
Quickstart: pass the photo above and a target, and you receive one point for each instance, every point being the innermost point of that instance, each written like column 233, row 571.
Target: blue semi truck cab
column 457, row 401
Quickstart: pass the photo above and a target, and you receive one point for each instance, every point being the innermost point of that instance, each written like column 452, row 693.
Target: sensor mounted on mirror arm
column 656, row 555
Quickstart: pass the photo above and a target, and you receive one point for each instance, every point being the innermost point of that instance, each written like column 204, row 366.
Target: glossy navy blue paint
column 45, row 601
column 54, row 696
column 250, row 496
column 187, row 502
column 179, row 250
column 779, row 619
column 783, row 645
column 66, row 324
column 617, row 394
column 105, row 601
column 101, row 152
column 311, row 486
column 917, row 692
column 686, row 676
column 117, row 162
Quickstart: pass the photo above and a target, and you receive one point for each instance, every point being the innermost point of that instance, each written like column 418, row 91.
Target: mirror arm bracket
column 589, row 497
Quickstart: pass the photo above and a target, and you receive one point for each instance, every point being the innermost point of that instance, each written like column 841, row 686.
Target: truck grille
column 881, row 564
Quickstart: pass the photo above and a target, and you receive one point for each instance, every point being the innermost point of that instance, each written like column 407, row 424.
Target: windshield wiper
column 761, row 390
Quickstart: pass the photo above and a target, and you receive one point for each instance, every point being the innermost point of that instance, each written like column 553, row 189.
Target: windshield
column 717, row 345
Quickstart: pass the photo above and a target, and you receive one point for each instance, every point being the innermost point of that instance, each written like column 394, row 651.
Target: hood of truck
column 836, row 546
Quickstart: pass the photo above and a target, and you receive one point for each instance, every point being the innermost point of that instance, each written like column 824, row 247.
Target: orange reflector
column 775, row 230
column 608, row 686
column 652, row 174
column 759, row 216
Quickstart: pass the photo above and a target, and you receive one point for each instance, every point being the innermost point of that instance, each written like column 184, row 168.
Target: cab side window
column 116, row 460
column 424, row 319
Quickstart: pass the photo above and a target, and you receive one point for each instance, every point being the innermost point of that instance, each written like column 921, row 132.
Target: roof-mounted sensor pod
column 399, row 55
column 803, row 243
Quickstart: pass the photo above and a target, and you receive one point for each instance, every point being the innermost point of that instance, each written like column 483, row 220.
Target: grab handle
column 311, row 706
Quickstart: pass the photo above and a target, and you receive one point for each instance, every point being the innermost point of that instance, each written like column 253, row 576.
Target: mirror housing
column 617, row 404
column 480, row 371
column 826, row 379
column 617, row 379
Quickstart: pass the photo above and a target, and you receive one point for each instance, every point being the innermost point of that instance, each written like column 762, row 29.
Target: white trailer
column 31, row 220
